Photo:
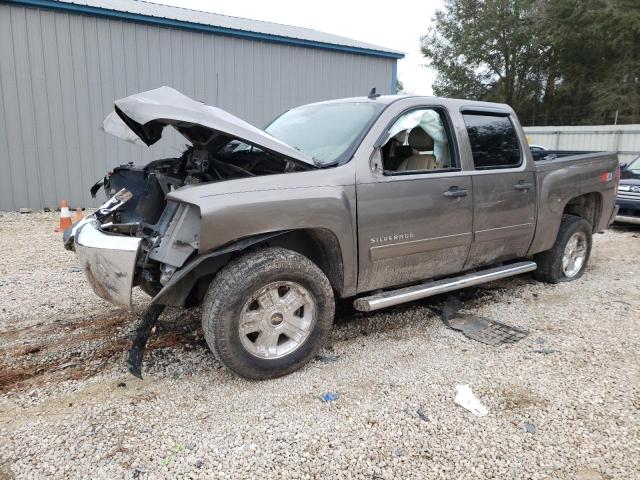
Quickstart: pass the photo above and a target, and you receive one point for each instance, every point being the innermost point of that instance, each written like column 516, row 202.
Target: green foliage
column 554, row 61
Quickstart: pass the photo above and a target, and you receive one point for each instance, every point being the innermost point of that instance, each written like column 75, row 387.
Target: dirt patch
column 177, row 340
column 519, row 398
column 65, row 351
column 10, row 376
column 26, row 351
column 82, row 348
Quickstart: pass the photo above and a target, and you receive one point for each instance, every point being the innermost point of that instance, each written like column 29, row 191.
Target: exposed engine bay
column 151, row 183
column 169, row 230
column 140, row 236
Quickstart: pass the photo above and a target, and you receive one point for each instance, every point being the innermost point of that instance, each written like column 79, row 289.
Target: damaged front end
column 139, row 237
column 108, row 260
column 125, row 243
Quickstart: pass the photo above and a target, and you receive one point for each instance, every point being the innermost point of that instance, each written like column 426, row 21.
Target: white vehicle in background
column 537, row 148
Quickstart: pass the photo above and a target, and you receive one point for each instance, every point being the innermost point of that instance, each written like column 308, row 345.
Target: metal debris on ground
column 422, row 415
column 545, row 351
column 136, row 473
column 481, row 329
column 327, row 357
column 400, row 452
column 136, row 352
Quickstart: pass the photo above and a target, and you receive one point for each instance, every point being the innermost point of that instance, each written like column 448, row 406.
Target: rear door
column 504, row 189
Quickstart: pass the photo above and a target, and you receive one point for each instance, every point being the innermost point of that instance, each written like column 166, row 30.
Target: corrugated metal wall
column 59, row 75
column 624, row 139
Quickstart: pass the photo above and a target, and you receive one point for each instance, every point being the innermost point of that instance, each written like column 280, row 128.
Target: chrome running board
column 416, row 292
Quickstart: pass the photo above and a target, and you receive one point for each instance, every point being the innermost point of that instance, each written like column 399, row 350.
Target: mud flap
column 136, row 352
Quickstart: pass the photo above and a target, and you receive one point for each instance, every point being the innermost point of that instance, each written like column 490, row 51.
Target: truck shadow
column 626, row 227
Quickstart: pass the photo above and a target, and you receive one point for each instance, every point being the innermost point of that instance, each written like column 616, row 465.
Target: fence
column 623, row 139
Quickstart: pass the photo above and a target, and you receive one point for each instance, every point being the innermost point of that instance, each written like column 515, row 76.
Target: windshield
column 634, row 166
column 327, row 132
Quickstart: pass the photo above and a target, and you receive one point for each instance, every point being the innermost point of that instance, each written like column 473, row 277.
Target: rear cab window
column 494, row 140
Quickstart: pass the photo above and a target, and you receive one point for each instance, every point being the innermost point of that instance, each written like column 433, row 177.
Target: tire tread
column 228, row 285
column 550, row 261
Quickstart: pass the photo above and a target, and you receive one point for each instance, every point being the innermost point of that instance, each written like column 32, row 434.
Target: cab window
column 418, row 142
column 493, row 138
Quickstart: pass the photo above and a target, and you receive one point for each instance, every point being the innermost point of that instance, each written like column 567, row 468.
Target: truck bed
column 580, row 179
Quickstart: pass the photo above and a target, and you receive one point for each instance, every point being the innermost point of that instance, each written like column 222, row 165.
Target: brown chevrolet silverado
column 383, row 199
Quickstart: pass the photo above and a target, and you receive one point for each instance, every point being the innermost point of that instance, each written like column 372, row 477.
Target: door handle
column 455, row 192
column 523, row 186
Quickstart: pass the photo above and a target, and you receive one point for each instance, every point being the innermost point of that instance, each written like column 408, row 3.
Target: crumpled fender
column 177, row 289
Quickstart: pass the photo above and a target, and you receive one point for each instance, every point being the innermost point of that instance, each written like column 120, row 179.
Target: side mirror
column 623, row 166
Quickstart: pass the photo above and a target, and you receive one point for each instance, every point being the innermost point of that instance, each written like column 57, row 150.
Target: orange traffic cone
column 65, row 217
column 79, row 215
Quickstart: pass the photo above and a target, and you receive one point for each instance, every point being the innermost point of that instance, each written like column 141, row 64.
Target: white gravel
column 68, row 409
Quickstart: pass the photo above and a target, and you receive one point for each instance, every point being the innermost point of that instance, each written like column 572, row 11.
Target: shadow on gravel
column 627, row 227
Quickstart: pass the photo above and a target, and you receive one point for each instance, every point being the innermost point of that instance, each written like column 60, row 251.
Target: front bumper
column 628, row 210
column 108, row 261
column 628, row 219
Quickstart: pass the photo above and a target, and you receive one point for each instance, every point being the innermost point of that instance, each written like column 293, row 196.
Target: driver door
column 415, row 212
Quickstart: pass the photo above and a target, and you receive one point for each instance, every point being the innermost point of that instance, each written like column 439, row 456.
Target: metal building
column 62, row 63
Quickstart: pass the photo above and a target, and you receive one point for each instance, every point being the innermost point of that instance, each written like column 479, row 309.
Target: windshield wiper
column 316, row 162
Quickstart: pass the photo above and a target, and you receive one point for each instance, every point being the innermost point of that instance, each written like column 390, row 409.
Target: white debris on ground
column 563, row 401
column 466, row 399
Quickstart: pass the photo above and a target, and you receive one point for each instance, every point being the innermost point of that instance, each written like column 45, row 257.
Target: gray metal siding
column 622, row 139
column 59, row 75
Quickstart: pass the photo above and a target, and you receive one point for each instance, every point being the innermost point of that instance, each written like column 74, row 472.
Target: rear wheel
column 268, row 313
column 568, row 258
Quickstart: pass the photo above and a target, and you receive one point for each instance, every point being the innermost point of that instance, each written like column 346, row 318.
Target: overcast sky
column 396, row 25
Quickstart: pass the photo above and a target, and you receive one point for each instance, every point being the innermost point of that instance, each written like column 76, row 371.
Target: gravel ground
column 563, row 402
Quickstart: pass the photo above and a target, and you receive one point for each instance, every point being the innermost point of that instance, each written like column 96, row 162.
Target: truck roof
column 450, row 102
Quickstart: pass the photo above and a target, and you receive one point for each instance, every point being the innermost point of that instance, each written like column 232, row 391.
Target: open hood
column 143, row 116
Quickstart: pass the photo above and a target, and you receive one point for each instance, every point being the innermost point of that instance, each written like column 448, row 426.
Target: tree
column 599, row 62
column 485, row 49
column 553, row 61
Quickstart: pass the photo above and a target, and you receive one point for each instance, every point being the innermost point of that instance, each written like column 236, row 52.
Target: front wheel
column 268, row 313
column 568, row 258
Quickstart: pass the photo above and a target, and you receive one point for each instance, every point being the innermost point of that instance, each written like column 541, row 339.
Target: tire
column 259, row 291
column 550, row 263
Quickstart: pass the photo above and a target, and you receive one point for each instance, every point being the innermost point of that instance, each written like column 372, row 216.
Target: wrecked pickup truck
column 384, row 199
